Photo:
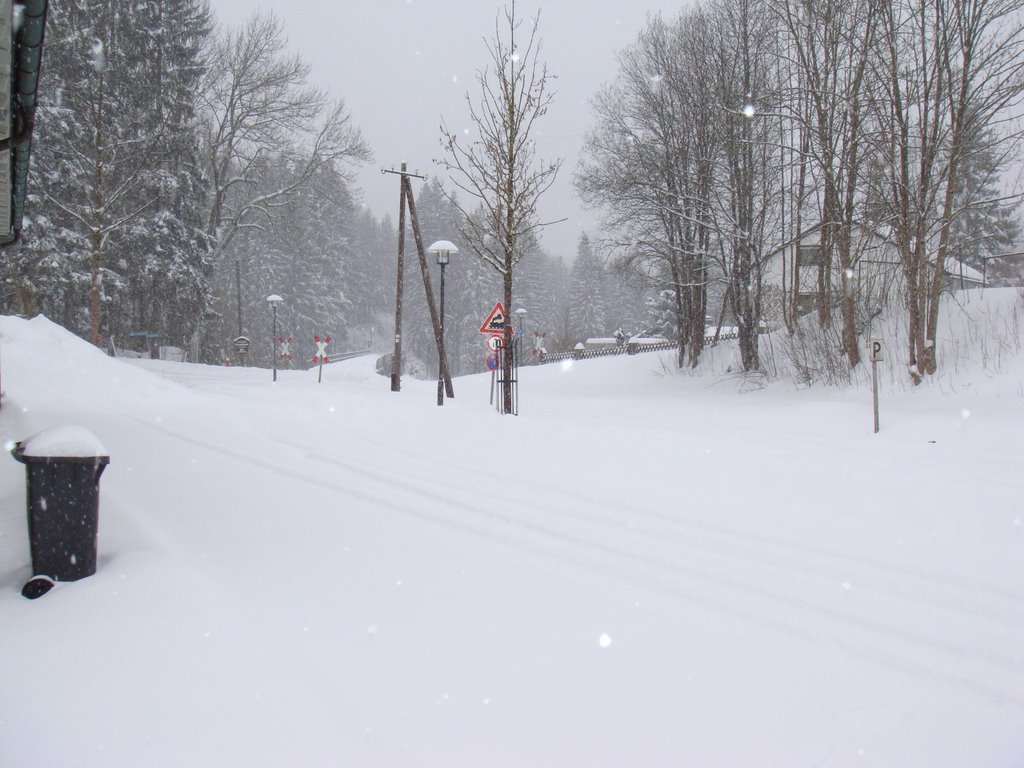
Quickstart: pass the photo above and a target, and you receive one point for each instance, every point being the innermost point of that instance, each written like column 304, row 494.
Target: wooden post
column 396, row 358
column 427, row 288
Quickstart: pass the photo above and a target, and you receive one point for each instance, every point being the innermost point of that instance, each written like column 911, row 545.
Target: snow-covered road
column 641, row 569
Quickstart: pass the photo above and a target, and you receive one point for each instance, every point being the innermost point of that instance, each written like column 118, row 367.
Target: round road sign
column 494, row 343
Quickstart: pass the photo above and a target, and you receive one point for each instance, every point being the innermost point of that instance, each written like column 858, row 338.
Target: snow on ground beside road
column 641, row 569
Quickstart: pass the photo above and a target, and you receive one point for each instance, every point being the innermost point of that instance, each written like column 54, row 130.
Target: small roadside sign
column 492, row 362
column 286, row 348
column 321, row 350
column 495, row 322
column 877, row 354
column 494, row 342
column 241, row 344
column 321, row 355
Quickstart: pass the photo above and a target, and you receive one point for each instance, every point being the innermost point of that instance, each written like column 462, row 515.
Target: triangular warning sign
column 495, row 322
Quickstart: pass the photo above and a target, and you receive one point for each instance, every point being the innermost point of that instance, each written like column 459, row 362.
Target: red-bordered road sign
column 495, row 322
column 321, row 349
column 286, row 347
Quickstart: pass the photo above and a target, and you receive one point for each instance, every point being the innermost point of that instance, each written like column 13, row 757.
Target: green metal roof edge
column 27, row 60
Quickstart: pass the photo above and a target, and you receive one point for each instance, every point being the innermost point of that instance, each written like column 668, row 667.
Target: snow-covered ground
column 642, row 569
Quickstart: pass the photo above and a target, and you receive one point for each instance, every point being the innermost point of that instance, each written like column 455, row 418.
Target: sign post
column 241, row 347
column 321, row 355
column 877, row 356
column 492, row 365
column 494, row 328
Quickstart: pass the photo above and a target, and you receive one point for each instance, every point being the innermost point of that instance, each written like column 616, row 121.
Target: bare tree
column 262, row 119
column 747, row 224
column 650, row 162
column 499, row 172
column 949, row 72
column 831, row 44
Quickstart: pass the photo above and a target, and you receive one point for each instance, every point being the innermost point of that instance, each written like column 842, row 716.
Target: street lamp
column 520, row 317
column 443, row 249
column 273, row 300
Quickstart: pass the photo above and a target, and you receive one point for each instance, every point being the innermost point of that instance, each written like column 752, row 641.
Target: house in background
column 960, row 276
column 876, row 270
column 876, row 275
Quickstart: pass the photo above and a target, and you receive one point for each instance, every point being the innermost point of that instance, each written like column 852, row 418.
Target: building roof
column 23, row 59
column 958, row 269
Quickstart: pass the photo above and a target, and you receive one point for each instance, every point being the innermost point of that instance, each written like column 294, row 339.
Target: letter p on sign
column 877, row 355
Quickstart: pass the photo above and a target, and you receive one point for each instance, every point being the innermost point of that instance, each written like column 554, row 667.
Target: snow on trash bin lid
column 67, row 441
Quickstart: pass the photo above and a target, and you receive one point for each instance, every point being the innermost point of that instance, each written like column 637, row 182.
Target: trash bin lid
column 65, row 441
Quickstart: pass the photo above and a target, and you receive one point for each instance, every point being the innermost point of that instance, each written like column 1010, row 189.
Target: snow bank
column 641, row 569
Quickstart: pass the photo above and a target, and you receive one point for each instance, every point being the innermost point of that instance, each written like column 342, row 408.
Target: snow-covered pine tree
column 988, row 223
column 586, row 295
column 113, row 175
column 166, row 248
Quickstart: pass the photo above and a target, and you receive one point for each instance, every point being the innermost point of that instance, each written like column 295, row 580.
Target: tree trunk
column 506, row 359
column 95, row 283
column 681, row 320
column 96, row 235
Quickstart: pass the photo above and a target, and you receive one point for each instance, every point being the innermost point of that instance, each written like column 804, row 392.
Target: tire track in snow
column 961, row 597
column 655, row 573
column 471, row 504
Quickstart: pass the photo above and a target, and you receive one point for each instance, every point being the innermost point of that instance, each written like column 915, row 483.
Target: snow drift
column 641, row 569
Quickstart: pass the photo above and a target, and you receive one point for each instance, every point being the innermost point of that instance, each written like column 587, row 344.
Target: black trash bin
column 63, row 467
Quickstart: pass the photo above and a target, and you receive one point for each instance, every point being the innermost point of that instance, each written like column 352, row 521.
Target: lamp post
column 443, row 249
column 517, row 345
column 520, row 317
column 273, row 300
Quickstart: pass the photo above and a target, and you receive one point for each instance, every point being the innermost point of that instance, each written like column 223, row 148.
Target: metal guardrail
column 626, row 349
column 384, row 362
column 339, row 357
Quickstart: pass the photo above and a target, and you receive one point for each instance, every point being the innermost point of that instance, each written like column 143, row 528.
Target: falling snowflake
column 604, row 640
column 99, row 60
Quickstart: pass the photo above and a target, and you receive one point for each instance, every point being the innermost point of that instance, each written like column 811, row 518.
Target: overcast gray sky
column 402, row 64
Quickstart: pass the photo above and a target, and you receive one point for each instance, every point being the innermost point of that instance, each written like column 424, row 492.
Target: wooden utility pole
column 406, row 198
column 428, row 288
column 396, row 358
